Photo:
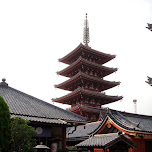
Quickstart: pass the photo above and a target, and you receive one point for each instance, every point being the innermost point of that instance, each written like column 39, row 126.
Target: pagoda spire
column 86, row 79
column 86, row 37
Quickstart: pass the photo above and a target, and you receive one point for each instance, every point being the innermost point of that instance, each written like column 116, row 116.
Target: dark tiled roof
column 43, row 120
column 101, row 97
column 82, row 76
column 131, row 122
column 25, row 105
column 127, row 121
column 82, row 48
column 82, row 130
column 81, row 61
column 105, row 140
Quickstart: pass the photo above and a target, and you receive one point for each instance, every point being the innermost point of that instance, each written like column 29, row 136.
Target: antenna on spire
column 86, row 37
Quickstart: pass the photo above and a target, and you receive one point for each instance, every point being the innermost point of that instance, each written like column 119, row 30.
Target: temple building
column 86, row 73
column 115, row 125
column 49, row 121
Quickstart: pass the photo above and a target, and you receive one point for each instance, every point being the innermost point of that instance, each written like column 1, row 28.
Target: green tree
column 22, row 136
column 5, row 124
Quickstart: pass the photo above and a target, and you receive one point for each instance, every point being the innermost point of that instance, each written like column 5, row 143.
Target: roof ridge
column 93, row 51
column 3, row 83
column 132, row 114
column 98, row 128
column 82, row 74
column 89, row 48
column 92, row 63
column 46, row 103
column 29, row 95
column 98, row 93
column 133, row 123
column 81, row 89
column 92, row 93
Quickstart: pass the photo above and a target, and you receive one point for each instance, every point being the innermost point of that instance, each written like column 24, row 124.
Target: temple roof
column 33, row 109
column 128, row 123
column 131, row 122
column 105, row 99
column 79, row 77
column 82, row 130
column 106, row 141
column 82, row 62
column 41, row 119
column 70, row 58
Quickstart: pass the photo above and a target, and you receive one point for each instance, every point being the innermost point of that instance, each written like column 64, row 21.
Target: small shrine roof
column 82, row 130
column 82, row 76
column 33, row 109
column 80, row 91
column 81, row 61
column 82, row 48
column 106, row 141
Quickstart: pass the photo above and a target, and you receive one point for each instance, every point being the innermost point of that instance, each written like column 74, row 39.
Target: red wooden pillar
column 141, row 145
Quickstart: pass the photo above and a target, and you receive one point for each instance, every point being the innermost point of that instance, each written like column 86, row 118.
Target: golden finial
column 86, row 37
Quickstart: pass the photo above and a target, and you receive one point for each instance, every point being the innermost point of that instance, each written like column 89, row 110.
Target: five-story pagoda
column 86, row 73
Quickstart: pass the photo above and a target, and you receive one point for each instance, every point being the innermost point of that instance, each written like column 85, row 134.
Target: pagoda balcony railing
column 83, row 105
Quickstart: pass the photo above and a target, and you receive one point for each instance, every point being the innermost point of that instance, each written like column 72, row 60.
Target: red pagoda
column 86, row 80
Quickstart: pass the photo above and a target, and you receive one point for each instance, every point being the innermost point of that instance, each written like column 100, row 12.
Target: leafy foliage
column 22, row 136
column 4, row 125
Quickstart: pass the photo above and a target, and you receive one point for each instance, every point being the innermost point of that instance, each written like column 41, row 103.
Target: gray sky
column 34, row 34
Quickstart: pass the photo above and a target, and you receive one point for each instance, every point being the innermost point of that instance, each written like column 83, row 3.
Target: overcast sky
column 34, row 34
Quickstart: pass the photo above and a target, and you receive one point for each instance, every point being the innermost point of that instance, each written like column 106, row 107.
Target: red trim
column 121, row 129
column 81, row 76
column 103, row 126
column 81, row 61
column 115, row 125
column 80, row 91
column 76, row 51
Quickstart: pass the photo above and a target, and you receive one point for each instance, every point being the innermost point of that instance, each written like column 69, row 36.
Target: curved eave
column 120, row 126
column 106, row 99
column 74, row 109
column 81, row 76
column 80, row 61
column 85, row 108
column 66, row 59
column 124, row 128
column 102, row 128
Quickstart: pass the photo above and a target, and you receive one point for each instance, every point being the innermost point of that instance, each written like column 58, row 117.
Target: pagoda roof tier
column 93, row 97
column 83, row 80
column 87, row 108
column 88, row 52
column 81, row 63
